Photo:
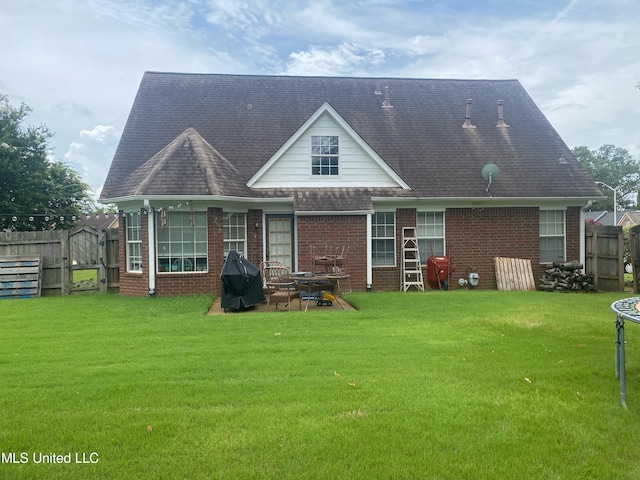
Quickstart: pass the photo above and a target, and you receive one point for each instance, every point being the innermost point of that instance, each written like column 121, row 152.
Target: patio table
column 313, row 283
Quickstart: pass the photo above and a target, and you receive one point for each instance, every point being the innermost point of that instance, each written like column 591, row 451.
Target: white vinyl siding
column 357, row 168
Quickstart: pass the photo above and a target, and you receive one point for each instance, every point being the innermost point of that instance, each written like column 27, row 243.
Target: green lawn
column 437, row 385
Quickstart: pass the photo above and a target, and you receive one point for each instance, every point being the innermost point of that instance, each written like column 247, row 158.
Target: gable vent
column 501, row 122
column 386, row 103
column 467, row 118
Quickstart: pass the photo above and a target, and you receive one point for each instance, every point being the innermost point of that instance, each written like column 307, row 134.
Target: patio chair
column 267, row 263
column 281, row 288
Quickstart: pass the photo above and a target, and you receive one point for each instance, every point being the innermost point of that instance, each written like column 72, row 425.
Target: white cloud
column 91, row 154
column 79, row 63
column 344, row 59
column 255, row 18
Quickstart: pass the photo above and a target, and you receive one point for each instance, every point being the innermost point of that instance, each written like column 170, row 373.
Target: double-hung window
column 235, row 233
column 383, row 239
column 552, row 236
column 181, row 241
column 430, row 230
column 325, row 151
column 134, row 242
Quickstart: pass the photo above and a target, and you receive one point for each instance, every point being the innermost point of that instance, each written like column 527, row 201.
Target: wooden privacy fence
column 634, row 252
column 78, row 260
column 604, row 256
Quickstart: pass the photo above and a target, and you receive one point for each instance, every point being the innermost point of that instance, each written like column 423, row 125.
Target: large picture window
column 430, row 230
column 324, row 155
column 552, row 236
column 383, row 239
column 134, row 242
column 181, row 241
column 235, row 233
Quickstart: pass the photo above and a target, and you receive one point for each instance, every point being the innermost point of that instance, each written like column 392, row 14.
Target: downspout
column 368, row 250
column 583, row 232
column 151, row 244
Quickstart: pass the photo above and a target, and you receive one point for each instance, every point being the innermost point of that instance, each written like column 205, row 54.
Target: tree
column 35, row 192
column 617, row 168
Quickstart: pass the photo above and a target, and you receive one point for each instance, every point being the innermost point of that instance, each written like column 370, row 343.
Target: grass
column 446, row 385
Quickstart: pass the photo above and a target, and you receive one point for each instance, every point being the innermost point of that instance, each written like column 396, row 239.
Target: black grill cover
column 241, row 283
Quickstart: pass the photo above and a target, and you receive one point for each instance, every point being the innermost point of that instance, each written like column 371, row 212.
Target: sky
column 78, row 63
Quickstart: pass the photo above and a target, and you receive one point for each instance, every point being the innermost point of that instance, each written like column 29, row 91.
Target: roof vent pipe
column 387, row 102
column 467, row 118
column 501, row 122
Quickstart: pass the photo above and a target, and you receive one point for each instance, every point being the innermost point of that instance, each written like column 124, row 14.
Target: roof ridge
column 330, row 77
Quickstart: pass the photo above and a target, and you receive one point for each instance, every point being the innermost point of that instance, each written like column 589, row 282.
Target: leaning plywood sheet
column 20, row 276
column 514, row 274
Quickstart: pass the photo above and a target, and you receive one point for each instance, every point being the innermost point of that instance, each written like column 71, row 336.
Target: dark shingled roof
column 332, row 200
column 189, row 156
column 192, row 134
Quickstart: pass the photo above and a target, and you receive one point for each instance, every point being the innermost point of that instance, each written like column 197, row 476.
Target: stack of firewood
column 566, row 276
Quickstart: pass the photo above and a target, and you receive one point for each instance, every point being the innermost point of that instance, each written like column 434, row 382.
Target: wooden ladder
column 411, row 275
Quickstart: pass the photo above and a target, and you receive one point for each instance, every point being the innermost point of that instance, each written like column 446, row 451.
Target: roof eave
column 133, row 198
column 307, row 213
column 501, row 201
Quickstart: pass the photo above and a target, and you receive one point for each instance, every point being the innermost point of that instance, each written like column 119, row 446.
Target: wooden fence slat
column 15, row 270
column 12, row 273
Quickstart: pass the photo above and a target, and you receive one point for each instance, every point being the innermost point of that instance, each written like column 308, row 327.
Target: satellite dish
column 490, row 172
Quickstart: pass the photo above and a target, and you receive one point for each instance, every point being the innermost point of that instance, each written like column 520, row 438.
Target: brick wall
column 474, row 236
column 573, row 241
column 255, row 239
column 137, row 284
column 133, row 284
column 335, row 230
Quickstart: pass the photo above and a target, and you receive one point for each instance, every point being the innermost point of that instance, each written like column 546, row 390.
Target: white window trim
column 131, row 242
column 564, row 233
column 227, row 241
column 425, row 255
column 311, row 155
column 159, row 226
column 373, row 258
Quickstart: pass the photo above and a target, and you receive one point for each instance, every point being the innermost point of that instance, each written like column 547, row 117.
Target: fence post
column 621, row 260
column 634, row 250
column 64, row 262
column 102, row 257
column 594, row 252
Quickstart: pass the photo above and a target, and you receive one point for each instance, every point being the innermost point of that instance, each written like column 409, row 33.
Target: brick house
column 274, row 166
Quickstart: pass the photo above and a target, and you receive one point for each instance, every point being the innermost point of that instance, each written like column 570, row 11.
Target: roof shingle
column 243, row 120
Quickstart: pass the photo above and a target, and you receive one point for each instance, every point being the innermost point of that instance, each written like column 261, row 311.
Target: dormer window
column 324, row 155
